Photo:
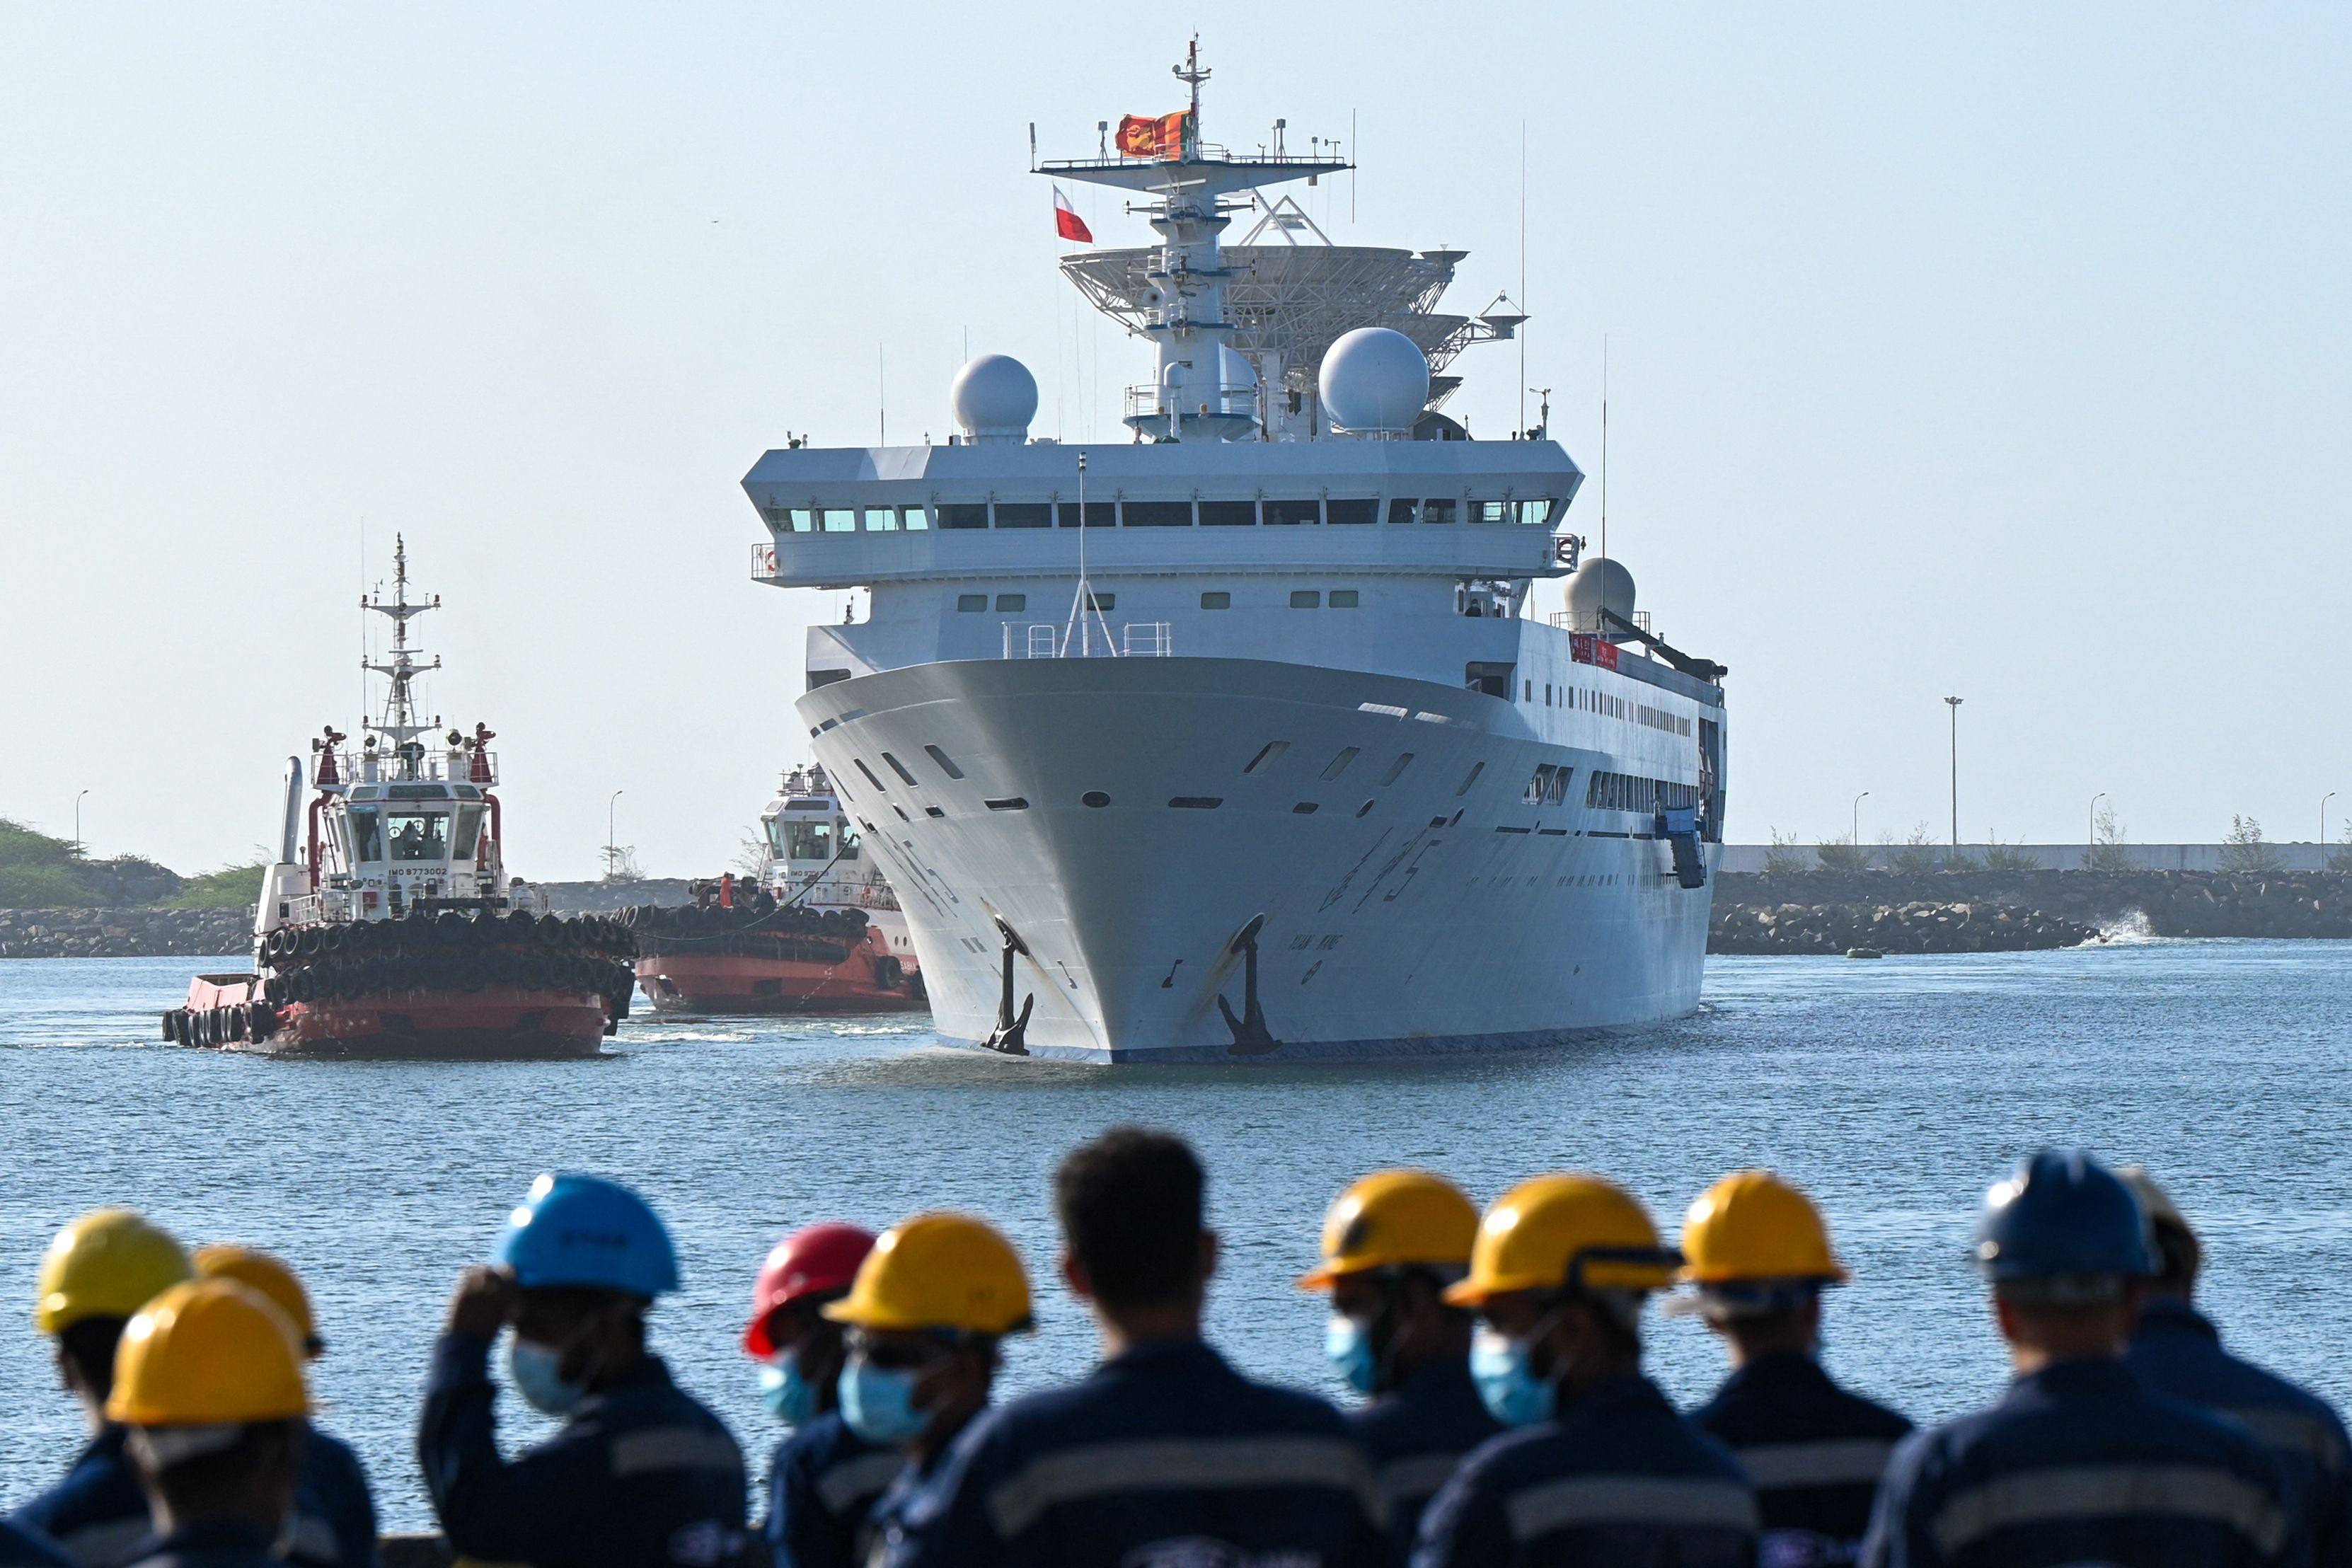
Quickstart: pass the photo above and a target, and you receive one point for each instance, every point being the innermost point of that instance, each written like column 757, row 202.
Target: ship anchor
column 1011, row 1035
column 1251, row 1037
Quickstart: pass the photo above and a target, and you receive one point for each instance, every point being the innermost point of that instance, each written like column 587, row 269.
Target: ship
column 815, row 929
column 1255, row 736
column 387, row 925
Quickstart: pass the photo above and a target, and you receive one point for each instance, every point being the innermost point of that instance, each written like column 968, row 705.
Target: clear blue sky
column 2003, row 350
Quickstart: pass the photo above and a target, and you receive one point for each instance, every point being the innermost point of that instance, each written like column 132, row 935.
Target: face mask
column 789, row 1397
column 878, row 1403
column 1507, row 1384
column 1349, row 1350
column 535, row 1370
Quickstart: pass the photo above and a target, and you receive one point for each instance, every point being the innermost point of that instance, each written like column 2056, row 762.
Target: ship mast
column 399, row 725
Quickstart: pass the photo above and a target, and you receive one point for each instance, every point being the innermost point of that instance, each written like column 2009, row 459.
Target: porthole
column 1365, row 809
column 1093, row 797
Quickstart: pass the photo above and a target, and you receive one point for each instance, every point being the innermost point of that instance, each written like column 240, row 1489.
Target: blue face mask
column 878, row 1403
column 789, row 1397
column 1507, row 1384
column 1349, row 1350
column 535, row 1370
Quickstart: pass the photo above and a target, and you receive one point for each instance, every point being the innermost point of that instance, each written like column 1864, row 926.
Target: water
column 1894, row 1090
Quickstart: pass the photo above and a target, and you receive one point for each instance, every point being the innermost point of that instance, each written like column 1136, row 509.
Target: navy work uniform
column 2178, row 1352
column 21, row 1547
column 820, row 1487
column 1162, row 1456
column 334, row 1515
column 1617, row 1478
column 638, row 1475
column 2079, row 1463
column 216, row 1543
column 1813, row 1452
column 1416, row 1437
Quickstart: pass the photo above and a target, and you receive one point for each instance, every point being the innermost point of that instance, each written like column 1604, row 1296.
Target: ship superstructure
column 1250, row 737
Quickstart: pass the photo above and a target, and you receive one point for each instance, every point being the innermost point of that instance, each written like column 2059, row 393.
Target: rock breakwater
column 134, row 932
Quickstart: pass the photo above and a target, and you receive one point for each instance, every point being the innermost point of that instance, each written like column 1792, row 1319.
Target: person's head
column 2179, row 1256
column 271, row 1277
column 1557, row 1275
column 799, row 1348
column 1133, row 1244
column 2066, row 1250
column 930, row 1304
column 97, row 1271
column 1392, row 1245
column 209, row 1383
column 587, row 1257
column 1756, row 1256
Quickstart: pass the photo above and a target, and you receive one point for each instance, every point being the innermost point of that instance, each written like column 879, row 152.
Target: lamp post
column 611, row 861
column 2093, row 841
column 1954, row 704
column 1857, row 817
column 82, row 854
column 2323, row 827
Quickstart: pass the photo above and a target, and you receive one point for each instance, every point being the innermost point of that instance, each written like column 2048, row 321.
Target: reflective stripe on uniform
column 1419, row 1476
column 1208, row 1462
column 674, row 1448
column 1841, row 1461
column 2107, row 1491
column 2290, row 1429
column 853, row 1481
column 1628, row 1499
column 107, row 1545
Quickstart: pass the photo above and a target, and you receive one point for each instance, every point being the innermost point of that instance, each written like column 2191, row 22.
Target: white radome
column 1375, row 379
column 1598, row 582
column 994, row 398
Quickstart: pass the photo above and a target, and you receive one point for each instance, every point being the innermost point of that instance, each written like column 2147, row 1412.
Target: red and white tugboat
column 388, row 927
column 817, row 930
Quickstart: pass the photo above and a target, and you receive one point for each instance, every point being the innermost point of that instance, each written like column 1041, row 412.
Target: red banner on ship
column 1586, row 648
column 1143, row 136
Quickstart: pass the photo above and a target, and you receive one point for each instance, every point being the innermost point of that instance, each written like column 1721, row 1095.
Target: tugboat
column 387, row 927
column 816, row 930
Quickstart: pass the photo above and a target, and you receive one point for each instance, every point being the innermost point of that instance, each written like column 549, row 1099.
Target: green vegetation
column 230, row 887
column 39, row 871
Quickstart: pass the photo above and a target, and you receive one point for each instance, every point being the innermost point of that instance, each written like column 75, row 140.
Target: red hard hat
column 815, row 1261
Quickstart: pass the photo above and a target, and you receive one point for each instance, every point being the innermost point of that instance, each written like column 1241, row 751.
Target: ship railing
column 849, row 894
column 439, row 765
column 1590, row 620
column 1149, row 400
column 1129, row 640
column 763, row 564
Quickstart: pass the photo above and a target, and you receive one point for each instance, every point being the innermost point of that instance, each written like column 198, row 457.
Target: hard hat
column 268, row 1275
column 938, row 1272
column 1752, row 1226
column 2176, row 1238
column 586, row 1233
column 2063, row 1215
column 815, row 1261
column 207, row 1352
column 107, row 1263
column 1392, row 1218
column 1564, row 1232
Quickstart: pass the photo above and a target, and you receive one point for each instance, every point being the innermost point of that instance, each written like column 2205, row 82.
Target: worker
column 1392, row 1245
column 1163, row 1454
column 1755, row 1256
column 933, row 1301
column 2176, row 1350
column 1601, row 1470
column 209, row 1386
column 639, row 1474
column 823, row 1478
column 97, row 1273
column 335, row 1522
column 2080, row 1461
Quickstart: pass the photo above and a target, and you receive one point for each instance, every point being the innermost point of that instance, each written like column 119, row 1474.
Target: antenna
column 1082, row 601
column 1360, row 158
column 1033, row 146
column 1521, row 334
column 881, row 397
column 1604, row 446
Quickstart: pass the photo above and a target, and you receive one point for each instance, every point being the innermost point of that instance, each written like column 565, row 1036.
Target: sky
column 2001, row 351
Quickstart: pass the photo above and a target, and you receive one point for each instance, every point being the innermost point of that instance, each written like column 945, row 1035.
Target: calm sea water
column 1894, row 1090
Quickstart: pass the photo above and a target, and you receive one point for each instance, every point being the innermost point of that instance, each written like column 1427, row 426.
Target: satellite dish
column 1375, row 380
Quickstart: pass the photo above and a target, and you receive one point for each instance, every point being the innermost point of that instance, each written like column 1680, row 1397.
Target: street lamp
column 2093, row 842
column 1954, row 704
column 1857, row 817
column 80, row 854
column 2323, row 827
column 611, row 860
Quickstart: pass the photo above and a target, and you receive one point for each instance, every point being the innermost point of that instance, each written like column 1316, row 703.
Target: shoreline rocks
column 132, row 932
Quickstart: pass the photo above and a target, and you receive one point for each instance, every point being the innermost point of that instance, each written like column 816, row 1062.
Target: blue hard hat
column 2063, row 1215
column 585, row 1232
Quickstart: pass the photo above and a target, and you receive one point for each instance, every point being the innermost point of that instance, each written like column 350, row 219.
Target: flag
column 1141, row 136
column 1067, row 221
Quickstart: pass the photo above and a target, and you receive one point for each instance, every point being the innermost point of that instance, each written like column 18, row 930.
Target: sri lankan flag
column 1145, row 136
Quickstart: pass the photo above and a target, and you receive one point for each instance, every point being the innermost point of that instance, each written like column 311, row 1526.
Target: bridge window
column 1437, row 509
column 1305, row 599
column 1490, row 512
column 804, row 519
column 1024, row 514
column 964, row 514
column 1099, row 514
column 1293, row 512
column 1534, row 513
column 881, row 520
column 1343, row 598
column 917, row 522
column 1011, row 601
column 1216, row 599
column 1158, row 514
column 1351, row 510
column 422, row 836
column 1402, row 510
column 970, row 601
column 367, row 837
column 840, row 520
column 1228, row 514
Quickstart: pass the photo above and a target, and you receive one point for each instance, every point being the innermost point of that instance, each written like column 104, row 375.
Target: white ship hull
column 1404, row 914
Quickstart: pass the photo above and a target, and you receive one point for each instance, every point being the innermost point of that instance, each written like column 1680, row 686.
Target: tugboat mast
column 399, row 725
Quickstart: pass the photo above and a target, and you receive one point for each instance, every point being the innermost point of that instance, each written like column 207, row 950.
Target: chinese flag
column 1067, row 221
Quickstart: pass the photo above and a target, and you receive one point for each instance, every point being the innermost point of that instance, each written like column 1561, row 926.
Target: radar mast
column 399, row 725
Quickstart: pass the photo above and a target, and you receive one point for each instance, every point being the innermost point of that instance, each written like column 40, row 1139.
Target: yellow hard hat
column 271, row 1278
column 1392, row 1218
column 1560, row 1232
column 107, row 1263
column 938, row 1272
column 1753, row 1225
column 208, row 1353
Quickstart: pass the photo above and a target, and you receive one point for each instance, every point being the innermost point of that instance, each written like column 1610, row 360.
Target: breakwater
column 2001, row 912
column 132, row 933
